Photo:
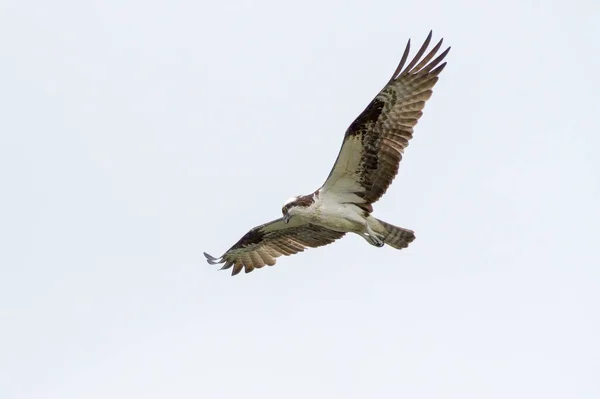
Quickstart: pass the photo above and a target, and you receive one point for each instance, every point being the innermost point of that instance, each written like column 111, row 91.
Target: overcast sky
column 134, row 135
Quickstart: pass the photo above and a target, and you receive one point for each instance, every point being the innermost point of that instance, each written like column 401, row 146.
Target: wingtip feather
column 211, row 259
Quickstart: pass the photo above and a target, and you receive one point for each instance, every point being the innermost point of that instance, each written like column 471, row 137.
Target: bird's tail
column 397, row 237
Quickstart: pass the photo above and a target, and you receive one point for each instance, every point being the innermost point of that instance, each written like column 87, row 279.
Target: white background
column 136, row 134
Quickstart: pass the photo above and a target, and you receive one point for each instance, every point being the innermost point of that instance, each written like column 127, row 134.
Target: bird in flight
column 365, row 167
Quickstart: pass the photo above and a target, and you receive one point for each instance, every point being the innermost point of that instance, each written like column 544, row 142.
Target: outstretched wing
column 261, row 245
column 373, row 145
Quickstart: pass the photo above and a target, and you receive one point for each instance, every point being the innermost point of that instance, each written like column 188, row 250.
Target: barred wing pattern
column 373, row 145
column 263, row 244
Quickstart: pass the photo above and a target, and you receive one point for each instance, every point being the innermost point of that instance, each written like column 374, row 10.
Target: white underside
column 336, row 212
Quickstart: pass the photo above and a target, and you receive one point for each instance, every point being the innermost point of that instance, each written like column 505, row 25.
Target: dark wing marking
column 373, row 145
column 261, row 245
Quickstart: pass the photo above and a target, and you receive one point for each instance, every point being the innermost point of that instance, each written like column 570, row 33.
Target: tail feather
column 397, row 237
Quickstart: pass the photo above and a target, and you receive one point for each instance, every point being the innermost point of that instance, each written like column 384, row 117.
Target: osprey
column 365, row 167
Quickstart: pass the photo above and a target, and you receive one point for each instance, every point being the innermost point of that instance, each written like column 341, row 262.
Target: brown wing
column 373, row 145
column 261, row 245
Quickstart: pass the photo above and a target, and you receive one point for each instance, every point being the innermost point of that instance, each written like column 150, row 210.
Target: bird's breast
column 338, row 217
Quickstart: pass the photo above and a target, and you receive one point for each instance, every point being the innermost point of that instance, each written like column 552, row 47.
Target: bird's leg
column 372, row 237
column 374, row 240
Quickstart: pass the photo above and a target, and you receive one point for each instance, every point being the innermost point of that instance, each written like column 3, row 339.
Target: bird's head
column 288, row 209
column 297, row 206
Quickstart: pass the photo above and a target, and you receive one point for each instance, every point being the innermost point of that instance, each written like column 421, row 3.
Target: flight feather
column 264, row 243
column 374, row 143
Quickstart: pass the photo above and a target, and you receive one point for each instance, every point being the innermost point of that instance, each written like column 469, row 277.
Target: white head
column 295, row 205
column 290, row 200
column 286, row 210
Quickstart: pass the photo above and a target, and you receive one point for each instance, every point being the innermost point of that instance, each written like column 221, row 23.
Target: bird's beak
column 286, row 218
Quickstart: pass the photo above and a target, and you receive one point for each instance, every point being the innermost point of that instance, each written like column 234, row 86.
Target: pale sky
column 137, row 134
